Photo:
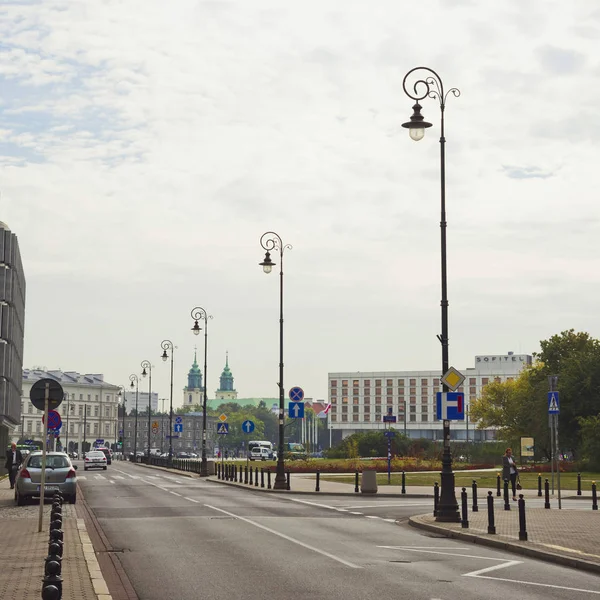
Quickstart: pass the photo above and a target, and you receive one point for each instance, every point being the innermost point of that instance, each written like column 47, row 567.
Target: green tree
column 590, row 441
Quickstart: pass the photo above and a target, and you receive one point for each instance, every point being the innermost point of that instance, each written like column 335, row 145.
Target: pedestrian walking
column 14, row 459
column 510, row 472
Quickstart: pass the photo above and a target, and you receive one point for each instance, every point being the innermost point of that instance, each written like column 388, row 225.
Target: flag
column 327, row 408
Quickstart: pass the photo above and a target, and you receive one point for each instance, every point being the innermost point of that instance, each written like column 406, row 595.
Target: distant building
column 12, row 326
column 89, row 411
column 226, row 391
column 359, row 400
column 142, row 401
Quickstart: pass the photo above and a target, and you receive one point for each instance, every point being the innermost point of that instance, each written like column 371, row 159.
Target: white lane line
column 99, row 477
column 548, row 585
column 342, row 510
column 509, row 563
column 312, row 503
column 287, row 537
column 371, row 517
column 174, row 493
column 118, row 477
column 192, row 500
column 389, row 520
column 425, row 549
column 355, row 513
column 111, row 481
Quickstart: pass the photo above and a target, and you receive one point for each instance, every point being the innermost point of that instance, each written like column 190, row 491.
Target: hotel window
column 355, row 410
column 413, row 418
column 473, row 391
column 378, row 382
column 390, row 382
column 334, row 418
column 355, row 400
column 333, row 393
column 344, row 383
column 367, row 383
column 344, row 409
column 345, row 399
column 423, row 382
column 436, row 382
column 413, row 400
column 413, row 382
column 96, row 410
column 344, row 418
column 389, row 391
column 400, row 383
column 484, row 381
column 367, row 392
column 333, row 383
column 367, row 400
column 355, row 418
column 472, row 381
column 377, row 399
column 413, row 390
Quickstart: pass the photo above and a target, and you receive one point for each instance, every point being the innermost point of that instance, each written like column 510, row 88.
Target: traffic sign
column 155, row 430
column 99, row 442
column 222, row 417
column 553, row 403
column 178, row 427
column 296, row 410
column 154, row 424
column 450, row 406
column 37, row 393
column 178, row 420
column 389, row 418
column 453, row 378
column 248, row 426
column 389, row 433
column 296, row 394
column 223, row 428
column 54, row 420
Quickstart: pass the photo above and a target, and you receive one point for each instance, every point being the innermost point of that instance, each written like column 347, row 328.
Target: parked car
column 60, row 476
column 95, row 459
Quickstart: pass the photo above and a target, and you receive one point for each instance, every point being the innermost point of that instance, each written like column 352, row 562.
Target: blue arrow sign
column 553, row 403
column 178, row 427
column 223, row 428
column 296, row 394
column 296, row 410
column 248, row 426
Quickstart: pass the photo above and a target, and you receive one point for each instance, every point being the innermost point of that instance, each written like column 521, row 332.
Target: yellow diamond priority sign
column 453, row 378
column 222, row 417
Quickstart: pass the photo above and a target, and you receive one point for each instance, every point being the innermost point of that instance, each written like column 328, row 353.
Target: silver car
column 60, row 475
column 94, row 459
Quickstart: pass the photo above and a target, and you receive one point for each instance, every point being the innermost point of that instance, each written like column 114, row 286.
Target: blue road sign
column 450, row 406
column 178, row 427
column 296, row 394
column 389, row 434
column 178, row 420
column 248, row 426
column 54, row 420
column 120, row 432
column 99, row 441
column 296, row 410
column 553, row 403
column 389, row 418
column 223, row 428
column 172, row 437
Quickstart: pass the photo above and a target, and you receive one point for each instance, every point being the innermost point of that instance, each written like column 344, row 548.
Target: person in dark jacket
column 14, row 458
column 510, row 471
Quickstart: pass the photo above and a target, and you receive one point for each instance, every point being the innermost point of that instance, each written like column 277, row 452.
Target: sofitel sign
column 502, row 359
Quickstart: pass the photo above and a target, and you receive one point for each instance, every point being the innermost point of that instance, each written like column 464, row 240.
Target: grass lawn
column 487, row 480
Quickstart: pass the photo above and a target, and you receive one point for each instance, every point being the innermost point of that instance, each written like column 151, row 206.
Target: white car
column 95, row 459
column 260, row 453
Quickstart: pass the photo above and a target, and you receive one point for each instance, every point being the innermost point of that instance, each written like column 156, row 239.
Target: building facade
column 188, row 440
column 142, row 401
column 226, row 390
column 360, row 400
column 12, row 326
column 89, row 411
column 193, row 392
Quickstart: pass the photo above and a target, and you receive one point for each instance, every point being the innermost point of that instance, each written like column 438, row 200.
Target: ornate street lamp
column 168, row 345
column 121, row 395
column 428, row 84
column 135, row 378
column 270, row 242
column 147, row 370
column 199, row 313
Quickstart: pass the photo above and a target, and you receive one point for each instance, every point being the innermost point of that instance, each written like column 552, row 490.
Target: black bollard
column 56, row 535
column 506, row 498
column 436, row 497
column 463, row 497
column 287, row 483
column 498, row 486
column 403, row 491
column 262, row 478
column 475, row 508
column 50, row 592
column 317, row 486
column 547, row 490
column 522, row 525
column 55, row 551
column 218, row 470
column 491, row 523
column 246, row 474
column 56, row 524
column 594, row 497
column 356, row 482
column 540, row 485
column 579, row 484
column 256, row 477
column 250, row 482
column 269, row 479
column 52, row 576
column 235, row 473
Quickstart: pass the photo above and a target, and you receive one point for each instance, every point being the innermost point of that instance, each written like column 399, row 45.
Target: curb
column 544, row 555
column 253, row 488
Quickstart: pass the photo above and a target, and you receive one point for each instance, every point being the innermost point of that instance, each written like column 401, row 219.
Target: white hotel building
column 360, row 400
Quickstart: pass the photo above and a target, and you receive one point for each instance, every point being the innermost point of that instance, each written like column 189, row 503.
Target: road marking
column 81, row 476
column 111, row 481
column 287, row 537
column 355, row 513
column 401, row 504
column 192, row 500
column 99, row 477
column 371, row 517
column 312, row 503
column 174, row 493
column 118, row 477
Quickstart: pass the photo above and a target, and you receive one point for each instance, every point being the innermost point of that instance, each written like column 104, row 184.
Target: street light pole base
column 447, row 509
column 204, row 468
column 280, row 483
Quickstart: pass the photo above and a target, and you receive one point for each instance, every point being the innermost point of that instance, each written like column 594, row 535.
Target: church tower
column 226, row 390
column 193, row 392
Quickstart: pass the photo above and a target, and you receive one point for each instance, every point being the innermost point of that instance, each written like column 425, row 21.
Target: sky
column 146, row 146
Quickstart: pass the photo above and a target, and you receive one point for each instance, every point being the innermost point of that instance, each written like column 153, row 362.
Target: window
column 108, row 398
column 107, row 412
column 30, row 409
column 400, row 383
column 423, row 382
column 344, row 383
column 472, row 381
column 413, row 390
column 367, row 383
column 367, row 401
column 80, row 410
column 333, row 383
column 38, row 427
column 390, row 382
column 378, row 383
column 95, row 427
column 377, row 399
column 473, row 391
column 87, row 429
column 96, row 410
column 484, row 381
column 355, row 410
column 96, row 397
column 89, row 397
column 436, row 382
column 29, row 424
column 107, row 429
column 413, row 382
column 81, row 396
column 355, row 418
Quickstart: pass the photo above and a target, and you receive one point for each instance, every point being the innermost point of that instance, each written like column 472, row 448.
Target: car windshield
column 52, row 462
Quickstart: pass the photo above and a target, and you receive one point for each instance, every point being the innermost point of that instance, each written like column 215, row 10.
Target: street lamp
column 146, row 365
column 270, row 241
column 197, row 314
column 430, row 86
column 135, row 378
column 168, row 345
column 121, row 395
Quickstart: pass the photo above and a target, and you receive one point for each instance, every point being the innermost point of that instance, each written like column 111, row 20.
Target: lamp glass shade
column 416, row 134
column 267, row 268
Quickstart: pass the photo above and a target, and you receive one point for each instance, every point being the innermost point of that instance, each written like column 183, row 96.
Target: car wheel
column 73, row 499
column 105, row 468
column 20, row 500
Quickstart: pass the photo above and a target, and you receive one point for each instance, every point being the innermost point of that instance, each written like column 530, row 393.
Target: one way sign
column 296, row 410
column 553, row 403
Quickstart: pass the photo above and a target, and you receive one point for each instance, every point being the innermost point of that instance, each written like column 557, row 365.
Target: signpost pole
column 389, row 449
column 43, row 475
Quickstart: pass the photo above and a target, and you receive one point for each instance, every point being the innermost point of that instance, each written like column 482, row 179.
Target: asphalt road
column 186, row 539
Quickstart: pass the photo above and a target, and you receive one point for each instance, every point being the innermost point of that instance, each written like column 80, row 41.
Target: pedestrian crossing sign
column 223, row 428
column 553, row 403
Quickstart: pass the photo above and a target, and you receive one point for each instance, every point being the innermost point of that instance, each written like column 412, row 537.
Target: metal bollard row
column 52, row 580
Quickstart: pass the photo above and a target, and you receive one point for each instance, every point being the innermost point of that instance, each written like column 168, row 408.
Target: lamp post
column 168, row 345
column 121, row 395
column 146, row 365
column 135, row 378
column 197, row 314
column 270, row 241
column 428, row 84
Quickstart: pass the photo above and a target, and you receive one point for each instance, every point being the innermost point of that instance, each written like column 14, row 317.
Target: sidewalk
column 24, row 551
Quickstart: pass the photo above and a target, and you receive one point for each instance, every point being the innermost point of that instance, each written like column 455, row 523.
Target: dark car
column 106, row 453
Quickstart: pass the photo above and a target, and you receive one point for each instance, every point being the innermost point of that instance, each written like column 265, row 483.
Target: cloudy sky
column 146, row 145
